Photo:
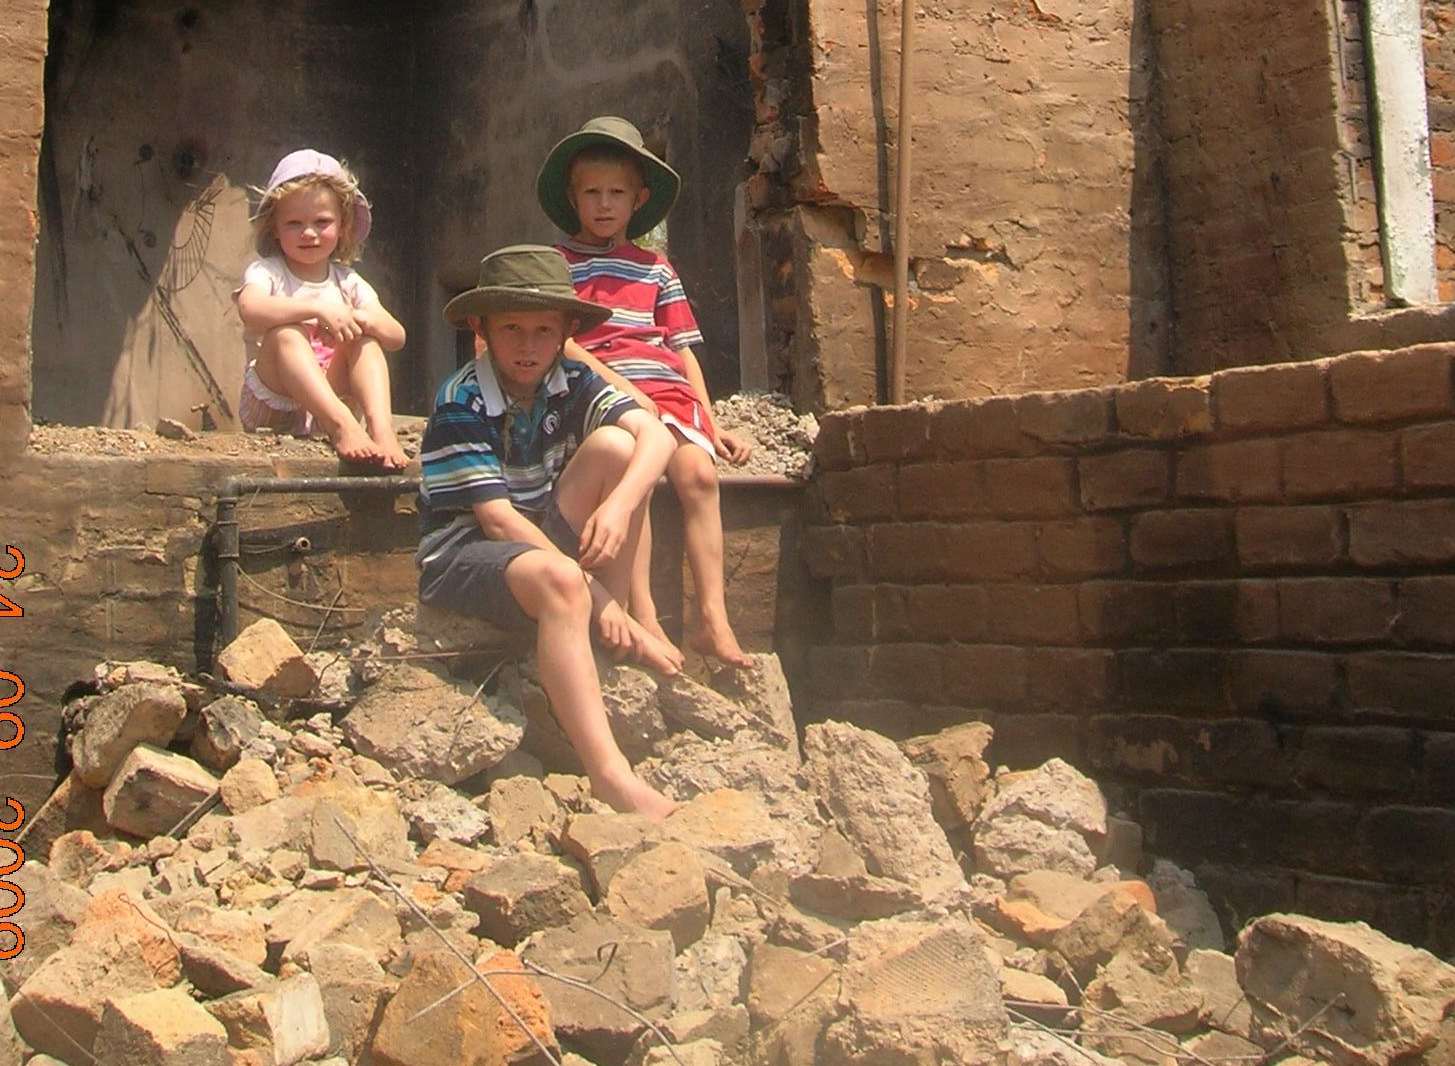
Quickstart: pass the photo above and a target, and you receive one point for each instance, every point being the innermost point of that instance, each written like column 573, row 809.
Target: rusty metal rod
column 901, row 206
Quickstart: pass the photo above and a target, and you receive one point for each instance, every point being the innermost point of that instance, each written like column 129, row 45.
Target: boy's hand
column 339, row 321
column 733, row 448
column 603, row 535
column 615, row 630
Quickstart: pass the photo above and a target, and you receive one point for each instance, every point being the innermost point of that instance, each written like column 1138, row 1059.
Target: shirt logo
column 551, row 423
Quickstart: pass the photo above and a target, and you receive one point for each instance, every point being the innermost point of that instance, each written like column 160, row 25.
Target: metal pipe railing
column 227, row 544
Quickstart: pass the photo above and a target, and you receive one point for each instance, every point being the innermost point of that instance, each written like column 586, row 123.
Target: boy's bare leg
column 552, row 590
column 360, row 370
column 588, row 478
column 643, row 604
column 694, row 475
column 287, row 365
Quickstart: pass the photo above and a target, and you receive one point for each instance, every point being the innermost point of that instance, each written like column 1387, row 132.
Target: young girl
column 317, row 329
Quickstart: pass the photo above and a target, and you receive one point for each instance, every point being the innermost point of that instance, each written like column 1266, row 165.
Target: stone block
column 153, row 790
column 286, row 1018
column 1427, row 610
column 1425, row 456
column 1402, row 534
column 1235, row 472
column 1387, row 386
column 984, row 674
column 857, row 495
column 1117, row 611
column 1275, row 398
column 119, row 721
column 1283, row 681
column 942, row 490
column 1226, row 612
column 165, row 1027
column 1339, row 464
column 1336, row 610
column 343, row 916
column 1080, row 548
column 1269, row 537
column 1138, row 477
column 1043, row 487
column 974, row 551
column 264, row 657
column 1169, row 539
column 1164, row 408
column 1033, row 614
column 834, row 551
column 979, row 429
column 761, row 689
column 1191, row 679
column 1079, row 417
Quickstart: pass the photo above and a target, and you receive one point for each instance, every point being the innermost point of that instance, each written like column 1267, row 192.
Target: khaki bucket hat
column 525, row 277
column 552, row 184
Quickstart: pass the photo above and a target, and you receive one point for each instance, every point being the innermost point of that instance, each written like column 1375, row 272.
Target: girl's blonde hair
column 345, row 188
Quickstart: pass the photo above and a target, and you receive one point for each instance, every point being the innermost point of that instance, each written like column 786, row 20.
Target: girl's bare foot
column 660, row 655
column 628, row 793
column 654, row 629
column 354, row 445
column 388, row 445
column 716, row 640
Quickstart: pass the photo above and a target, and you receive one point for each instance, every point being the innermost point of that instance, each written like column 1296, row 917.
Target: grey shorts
column 464, row 571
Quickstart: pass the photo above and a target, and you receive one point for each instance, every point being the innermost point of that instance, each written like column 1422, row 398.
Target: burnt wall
column 1229, row 597
column 1036, row 227
column 23, row 34
column 1439, row 34
column 161, row 116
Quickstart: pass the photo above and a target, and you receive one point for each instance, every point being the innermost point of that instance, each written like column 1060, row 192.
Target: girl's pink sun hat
column 308, row 161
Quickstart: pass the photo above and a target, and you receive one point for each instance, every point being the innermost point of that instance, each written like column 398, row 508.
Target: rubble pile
column 417, row 875
column 782, row 439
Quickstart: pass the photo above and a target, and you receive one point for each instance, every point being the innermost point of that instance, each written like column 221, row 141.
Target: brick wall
column 1439, row 26
column 22, row 58
column 1230, row 597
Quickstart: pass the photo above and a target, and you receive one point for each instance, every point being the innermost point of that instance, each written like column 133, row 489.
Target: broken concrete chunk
column 423, row 724
column 1012, row 844
column 225, row 727
column 727, row 823
column 444, row 814
column 916, row 991
column 761, row 689
column 710, row 976
column 355, row 990
column 286, row 1017
column 165, row 1027
column 603, row 843
column 1147, row 991
column 517, row 805
column 881, row 804
column 1036, row 1047
column 712, row 715
column 515, row 895
column 631, row 699
column 215, row 972
column 1185, row 907
column 342, row 916
column 78, row 856
column 236, row 932
column 119, row 721
column 250, row 783
column 1225, row 1008
column 663, row 888
column 53, row 908
column 954, row 761
column 469, row 1026
column 641, row 976
column 1392, row 997
column 1055, row 794
column 1114, row 924
column 264, row 657
column 154, row 790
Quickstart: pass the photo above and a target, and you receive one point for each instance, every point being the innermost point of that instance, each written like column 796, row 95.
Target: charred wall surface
column 1439, row 33
column 1231, row 595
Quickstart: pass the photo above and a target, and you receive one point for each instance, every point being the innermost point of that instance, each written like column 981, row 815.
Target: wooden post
column 901, row 208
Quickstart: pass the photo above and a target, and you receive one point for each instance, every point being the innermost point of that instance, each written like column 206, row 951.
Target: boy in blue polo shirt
column 535, row 477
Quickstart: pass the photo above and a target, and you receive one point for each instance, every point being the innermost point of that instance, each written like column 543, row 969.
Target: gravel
column 782, row 439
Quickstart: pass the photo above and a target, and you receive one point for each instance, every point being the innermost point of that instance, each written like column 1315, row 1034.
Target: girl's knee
column 288, row 334
column 693, row 474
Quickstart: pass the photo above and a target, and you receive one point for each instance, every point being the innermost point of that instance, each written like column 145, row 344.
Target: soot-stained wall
column 162, row 114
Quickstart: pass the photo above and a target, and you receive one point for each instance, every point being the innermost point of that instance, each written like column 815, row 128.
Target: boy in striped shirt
column 535, row 479
column 604, row 188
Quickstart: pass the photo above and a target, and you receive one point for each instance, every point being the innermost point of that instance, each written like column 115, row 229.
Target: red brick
column 1023, row 739
column 1033, row 614
column 908, row 552
column 984, row 673
column 978, row 428
column 1425, row 455
column 1339, row 463
column 1226, row 612
column 1066, row 417
column 1335, row 610
column 1164, row 408
column 1176, row 679
column 1289, row 536
column 1427, row 610
column 839, row 444
column 1139, row 478
column 988, row 551
column 1358, row 759
column 1076, row 680
column 1117, row 611
column 1399, row 534
column 906, row 671
column 1165, row 539
column 1404, row 683
column 836, row 670
column 834, row 551
column 1083, row 547
column 1236, row 472
column 1387, row 386
column 863, row 614
column 895, row 433
column 1267, row 682
column 1030, row 488
column 1286, row 396
column 942, row 490
column 854, row 495
column 949, row 612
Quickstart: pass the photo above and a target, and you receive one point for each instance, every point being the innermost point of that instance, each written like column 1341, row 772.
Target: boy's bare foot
column 654, row 629
column 716, row 640
column 354, row 445
column 660, row 655
column 629, row 793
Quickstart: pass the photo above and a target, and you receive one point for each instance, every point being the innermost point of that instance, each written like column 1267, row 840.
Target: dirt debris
column 830, row 907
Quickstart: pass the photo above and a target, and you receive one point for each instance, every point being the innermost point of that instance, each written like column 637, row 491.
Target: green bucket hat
column 525, row 277
column 552, row 185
